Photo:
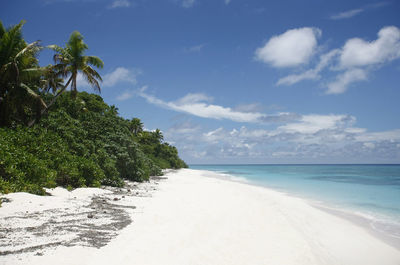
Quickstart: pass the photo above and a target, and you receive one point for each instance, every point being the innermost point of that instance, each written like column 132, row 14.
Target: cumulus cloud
column 352, row 62
column 358, row 52
column 199, row 105
column 292, row 48
column 121, row 74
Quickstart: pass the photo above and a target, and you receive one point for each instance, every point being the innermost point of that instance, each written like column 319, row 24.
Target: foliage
column 163, row 154
column 70, row 61
column 19, row 77
column 76, row 140
column 34, row 158
column 81, row 142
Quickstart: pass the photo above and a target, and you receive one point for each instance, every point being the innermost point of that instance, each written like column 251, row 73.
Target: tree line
column 53, row 135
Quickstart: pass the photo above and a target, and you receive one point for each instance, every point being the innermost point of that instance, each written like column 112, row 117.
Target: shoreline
column 361, row 221
column 345, row 213
column 195, row 219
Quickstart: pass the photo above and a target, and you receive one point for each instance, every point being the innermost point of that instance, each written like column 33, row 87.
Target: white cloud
column 199, row 105
column 347, row 14
column 81, row 81
column 356, row 11
column 292, row 48
column 126, row 95
column 358, row 52
column 188, row 3
column 252, row 107
column 194, row 104
column 227, row 2
column 120, row 3
column 314, row 138
column 343, row 80
column 121, row 74
column 369, row 145
column 195, row 48
column 185, row 128
column 390, row 136
column 353, row 62
column 315, row 123
column 193, row 98
column 311, row 74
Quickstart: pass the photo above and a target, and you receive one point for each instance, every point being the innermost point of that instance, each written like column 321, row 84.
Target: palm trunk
column 45, row 110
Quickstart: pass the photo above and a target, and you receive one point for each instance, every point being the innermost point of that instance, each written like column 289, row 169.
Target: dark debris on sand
column 92, row 225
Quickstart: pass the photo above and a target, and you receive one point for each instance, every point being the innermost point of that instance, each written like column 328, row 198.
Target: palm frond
column 62, row 55
column 88, row 69
column 33, row 96
column 11, row 43
column 32, row 73
column 91, row 75
column 95, row 61
column 31, row 48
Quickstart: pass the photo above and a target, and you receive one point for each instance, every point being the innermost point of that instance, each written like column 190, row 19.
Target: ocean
column 371, row 192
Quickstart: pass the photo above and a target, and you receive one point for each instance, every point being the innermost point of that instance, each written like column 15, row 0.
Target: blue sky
column 242, row 81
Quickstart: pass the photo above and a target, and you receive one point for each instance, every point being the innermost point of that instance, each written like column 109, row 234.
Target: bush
column 81, row 143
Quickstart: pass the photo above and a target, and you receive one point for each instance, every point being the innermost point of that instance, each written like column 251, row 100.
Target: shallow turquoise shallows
column 370, row 191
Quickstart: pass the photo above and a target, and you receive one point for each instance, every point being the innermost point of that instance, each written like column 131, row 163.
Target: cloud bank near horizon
column 326, row 138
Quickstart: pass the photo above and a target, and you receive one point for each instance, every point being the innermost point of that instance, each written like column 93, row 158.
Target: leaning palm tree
column 71, row 61
column 19, row 73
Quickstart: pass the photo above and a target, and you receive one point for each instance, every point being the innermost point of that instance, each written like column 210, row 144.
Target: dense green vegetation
column 50, row 136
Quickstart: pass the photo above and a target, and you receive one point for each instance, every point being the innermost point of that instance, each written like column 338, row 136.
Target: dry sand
column 195, row 218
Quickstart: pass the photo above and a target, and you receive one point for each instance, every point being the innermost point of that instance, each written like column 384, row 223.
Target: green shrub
column 80, row 143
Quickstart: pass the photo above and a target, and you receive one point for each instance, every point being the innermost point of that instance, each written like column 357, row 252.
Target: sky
column 241, row 82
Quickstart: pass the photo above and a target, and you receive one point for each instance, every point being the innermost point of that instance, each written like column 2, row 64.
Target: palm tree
column 74, row 61
column 113, row 110
column 52, row 79
column 136, row 126
column 71, row 60
column 158, row 135
column 19, row 72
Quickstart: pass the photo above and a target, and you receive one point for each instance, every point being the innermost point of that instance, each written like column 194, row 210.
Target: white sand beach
column 194, row 218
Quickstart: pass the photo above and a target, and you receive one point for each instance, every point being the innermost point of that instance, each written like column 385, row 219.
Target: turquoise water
column 370, row 191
